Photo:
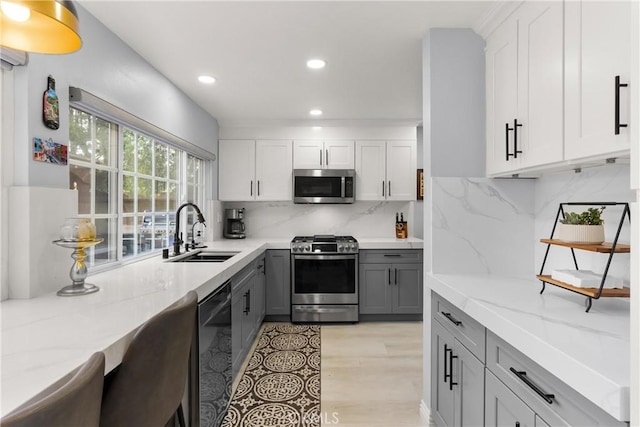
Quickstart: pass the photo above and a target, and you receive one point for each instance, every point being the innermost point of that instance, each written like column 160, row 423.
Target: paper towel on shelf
column 587, row 279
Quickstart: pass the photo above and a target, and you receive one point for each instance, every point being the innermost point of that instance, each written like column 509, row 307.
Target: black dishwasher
column 212, row 371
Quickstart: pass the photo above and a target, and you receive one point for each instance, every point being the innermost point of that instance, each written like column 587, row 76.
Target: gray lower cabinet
column 390, row 282
column 477, row 378
column 278, row 276
column 504, row 408
column 457, row 384
column 247, row 309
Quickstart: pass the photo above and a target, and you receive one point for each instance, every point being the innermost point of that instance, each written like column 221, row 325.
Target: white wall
column 110, row 70
column 455, row 98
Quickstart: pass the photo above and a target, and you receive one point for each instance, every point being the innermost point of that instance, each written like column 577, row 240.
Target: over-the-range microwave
column 324, row 185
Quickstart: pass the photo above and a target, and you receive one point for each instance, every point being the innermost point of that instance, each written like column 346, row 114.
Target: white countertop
column 588, row 351
column 45, row 338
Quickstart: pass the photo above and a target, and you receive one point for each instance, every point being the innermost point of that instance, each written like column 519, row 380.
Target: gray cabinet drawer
column 467, row 330
column 402, row 256
column 566, row 407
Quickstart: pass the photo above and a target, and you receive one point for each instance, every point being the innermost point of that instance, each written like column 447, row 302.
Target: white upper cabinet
column 236, row 170
column 598, row 49
column 371, row 177
column 386, row 170
column 540, row 76
column 502, row 96
column 274, row 170
column 323, row 154
column 524, row 59
column 401, row 170
column 255, row 170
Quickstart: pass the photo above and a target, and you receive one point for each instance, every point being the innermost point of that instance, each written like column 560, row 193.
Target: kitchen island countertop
column 45, row 338
column 587, row 351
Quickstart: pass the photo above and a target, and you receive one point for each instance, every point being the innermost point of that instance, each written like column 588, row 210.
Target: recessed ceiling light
column 316, row 64
column 207, row 79
column 15, row 12
column 315, row 112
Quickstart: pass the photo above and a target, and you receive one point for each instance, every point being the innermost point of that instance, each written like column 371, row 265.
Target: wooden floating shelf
column 590, row 292
column 604, row 248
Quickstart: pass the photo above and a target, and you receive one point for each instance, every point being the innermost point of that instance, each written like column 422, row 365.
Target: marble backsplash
column 482, row 225
column 493, row 226
column 286, row 219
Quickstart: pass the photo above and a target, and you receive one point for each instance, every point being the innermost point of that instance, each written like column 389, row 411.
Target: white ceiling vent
column 13, row 57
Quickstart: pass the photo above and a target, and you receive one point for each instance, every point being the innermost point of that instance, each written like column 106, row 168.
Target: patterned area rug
column 281, row 385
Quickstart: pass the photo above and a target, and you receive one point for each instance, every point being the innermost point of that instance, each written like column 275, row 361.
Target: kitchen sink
column 205, row 256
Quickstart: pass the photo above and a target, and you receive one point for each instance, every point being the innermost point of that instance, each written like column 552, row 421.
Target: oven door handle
column 316, row 310
column 315, row 257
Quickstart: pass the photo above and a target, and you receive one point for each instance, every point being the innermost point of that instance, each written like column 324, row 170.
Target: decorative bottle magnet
column 50, row 106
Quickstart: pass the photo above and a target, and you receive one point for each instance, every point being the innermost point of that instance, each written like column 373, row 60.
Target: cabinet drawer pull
column 392, row 255
column 618, row 125
column 451, row 318
column 523, row 377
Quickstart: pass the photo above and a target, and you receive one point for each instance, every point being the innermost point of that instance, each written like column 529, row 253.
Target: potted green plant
column 586, row 227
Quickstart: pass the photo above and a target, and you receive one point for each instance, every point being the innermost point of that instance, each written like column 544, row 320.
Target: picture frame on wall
column 420, row 185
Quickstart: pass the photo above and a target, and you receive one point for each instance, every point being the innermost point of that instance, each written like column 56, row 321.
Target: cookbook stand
column 606, row 248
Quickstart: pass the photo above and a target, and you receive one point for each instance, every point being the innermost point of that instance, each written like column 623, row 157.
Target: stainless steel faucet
column 177, row 237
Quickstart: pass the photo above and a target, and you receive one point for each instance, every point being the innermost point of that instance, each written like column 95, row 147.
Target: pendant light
column 39, row 26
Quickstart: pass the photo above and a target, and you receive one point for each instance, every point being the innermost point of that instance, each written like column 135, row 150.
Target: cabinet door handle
column 246, row 303
column 389, row 189
column 451, row 357
column 618, row 125
column 446, row 375
column 326, row 157
column 522, row 375
column 516, row 125
column 249, row 301
column 321, row 157
column 506, row 139
column 395, row 276
column 251, row 191
column 382, row 188
column 389, row 277
column 258, row 187
column 451, row 318
column 517, row 423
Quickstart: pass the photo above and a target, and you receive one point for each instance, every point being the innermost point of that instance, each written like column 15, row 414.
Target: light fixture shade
column 51, row 28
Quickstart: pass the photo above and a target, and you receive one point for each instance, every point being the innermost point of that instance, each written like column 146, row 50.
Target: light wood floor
column 371, row 374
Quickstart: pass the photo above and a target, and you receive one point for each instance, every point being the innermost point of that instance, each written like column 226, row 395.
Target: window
column 129, row 184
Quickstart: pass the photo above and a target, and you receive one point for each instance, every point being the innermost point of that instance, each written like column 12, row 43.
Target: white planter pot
column 587, row 234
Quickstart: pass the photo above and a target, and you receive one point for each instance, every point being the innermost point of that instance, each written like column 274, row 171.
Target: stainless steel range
column 324, row 279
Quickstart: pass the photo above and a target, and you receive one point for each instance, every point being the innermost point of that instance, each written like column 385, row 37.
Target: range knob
column 340, row 248
column 353, row 247
column 307, row 248
column 294, row 248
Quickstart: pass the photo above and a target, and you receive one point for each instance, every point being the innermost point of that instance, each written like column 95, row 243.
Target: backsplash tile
column 482, row 225
column 286, row 219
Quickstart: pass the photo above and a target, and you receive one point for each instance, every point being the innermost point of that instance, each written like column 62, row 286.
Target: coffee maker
column 234, row 223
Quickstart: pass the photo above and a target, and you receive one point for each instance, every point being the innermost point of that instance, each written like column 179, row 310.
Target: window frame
column 181, row 186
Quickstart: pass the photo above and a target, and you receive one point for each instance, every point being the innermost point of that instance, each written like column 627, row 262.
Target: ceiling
column 257, row 51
